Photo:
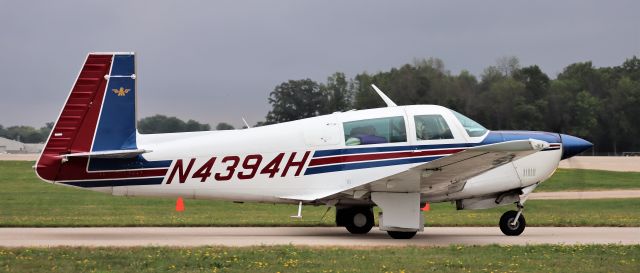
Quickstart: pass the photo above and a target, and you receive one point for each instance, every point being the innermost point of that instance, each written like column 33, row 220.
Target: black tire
column 512, row 230
column 402, row 234
column 358, row 220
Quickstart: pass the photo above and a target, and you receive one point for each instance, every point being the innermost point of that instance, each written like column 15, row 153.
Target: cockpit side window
column 375, row 131
column 473, row 128
column 432, row 127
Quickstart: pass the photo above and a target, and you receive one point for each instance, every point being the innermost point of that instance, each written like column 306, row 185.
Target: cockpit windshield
column 473, row 128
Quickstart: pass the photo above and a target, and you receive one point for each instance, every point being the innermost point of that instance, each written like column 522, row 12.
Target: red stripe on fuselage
column 379, row 156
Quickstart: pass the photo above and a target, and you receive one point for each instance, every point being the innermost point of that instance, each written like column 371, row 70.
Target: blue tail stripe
column 123, row 65
column 117, row 124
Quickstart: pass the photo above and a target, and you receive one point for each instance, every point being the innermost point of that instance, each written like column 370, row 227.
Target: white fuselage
column 235, row 164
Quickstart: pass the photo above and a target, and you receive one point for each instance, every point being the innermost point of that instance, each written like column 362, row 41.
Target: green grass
column 26, row 201
column 588, row 180
column 493, row 258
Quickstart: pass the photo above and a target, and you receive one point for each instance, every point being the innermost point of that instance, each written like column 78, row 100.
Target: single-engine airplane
column 397, row 157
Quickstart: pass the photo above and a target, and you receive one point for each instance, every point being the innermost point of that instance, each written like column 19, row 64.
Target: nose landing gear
column 512, row 222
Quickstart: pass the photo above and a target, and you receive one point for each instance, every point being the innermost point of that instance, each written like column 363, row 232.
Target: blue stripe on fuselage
column 349, row 151
column 116, row 183
column 369, row 164
column 502, row 136
column 491, row 138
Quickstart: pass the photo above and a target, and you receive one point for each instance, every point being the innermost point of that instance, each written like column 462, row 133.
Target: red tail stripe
column 75, row 127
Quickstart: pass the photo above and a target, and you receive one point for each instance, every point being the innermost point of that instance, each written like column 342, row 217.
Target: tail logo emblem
column 121, row 92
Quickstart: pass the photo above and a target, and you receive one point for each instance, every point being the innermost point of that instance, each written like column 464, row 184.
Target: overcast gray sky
column 217, row 61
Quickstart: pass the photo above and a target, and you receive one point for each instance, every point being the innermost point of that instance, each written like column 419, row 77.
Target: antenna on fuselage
column 245, row 122
column 384, row 97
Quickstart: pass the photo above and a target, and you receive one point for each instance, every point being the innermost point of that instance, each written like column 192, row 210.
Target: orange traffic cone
column 180, row 204
column 426, row 207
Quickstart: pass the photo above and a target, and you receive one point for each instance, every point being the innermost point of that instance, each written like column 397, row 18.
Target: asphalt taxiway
column 567, row 195
column 309, row 236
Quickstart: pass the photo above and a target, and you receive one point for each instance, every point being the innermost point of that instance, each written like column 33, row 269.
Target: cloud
column 218, row 60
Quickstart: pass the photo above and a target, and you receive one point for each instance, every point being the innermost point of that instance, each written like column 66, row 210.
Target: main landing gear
column 512, row 222
column 357, row 220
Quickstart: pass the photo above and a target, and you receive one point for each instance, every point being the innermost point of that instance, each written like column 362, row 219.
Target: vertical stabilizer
column 99, row 115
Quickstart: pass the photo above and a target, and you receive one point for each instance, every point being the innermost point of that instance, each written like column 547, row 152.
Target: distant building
column 8, row 146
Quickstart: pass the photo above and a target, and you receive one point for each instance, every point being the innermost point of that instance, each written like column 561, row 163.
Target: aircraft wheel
column 508, row 227
column 402, row 234
column 359, row 220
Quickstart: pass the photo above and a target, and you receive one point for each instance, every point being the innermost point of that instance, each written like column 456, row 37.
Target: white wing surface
column 445, row 175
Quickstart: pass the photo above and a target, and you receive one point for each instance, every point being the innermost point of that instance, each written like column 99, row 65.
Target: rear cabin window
column 375, row 131
column 432, row 127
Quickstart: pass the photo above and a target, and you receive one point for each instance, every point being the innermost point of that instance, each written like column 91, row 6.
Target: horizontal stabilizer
column 110, row 154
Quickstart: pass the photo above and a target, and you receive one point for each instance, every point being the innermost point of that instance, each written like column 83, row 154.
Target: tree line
column 150, row 125
column 600, row 104
column 163, row 124
column 26, row 134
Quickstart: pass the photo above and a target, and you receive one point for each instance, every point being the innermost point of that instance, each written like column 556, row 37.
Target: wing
column 445, row 175
column 449, row 174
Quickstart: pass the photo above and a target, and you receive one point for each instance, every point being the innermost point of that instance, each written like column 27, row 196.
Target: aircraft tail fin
column 99, row 116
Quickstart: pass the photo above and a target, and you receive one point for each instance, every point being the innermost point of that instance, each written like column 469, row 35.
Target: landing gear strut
column 357, row 220
column 512, row 222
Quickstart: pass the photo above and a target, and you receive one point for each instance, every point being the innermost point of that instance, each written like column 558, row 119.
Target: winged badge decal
column 121, row 92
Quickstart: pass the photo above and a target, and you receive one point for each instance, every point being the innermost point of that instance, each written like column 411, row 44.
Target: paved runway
column 606, row 163
column 311, row 236
column 585, row 194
